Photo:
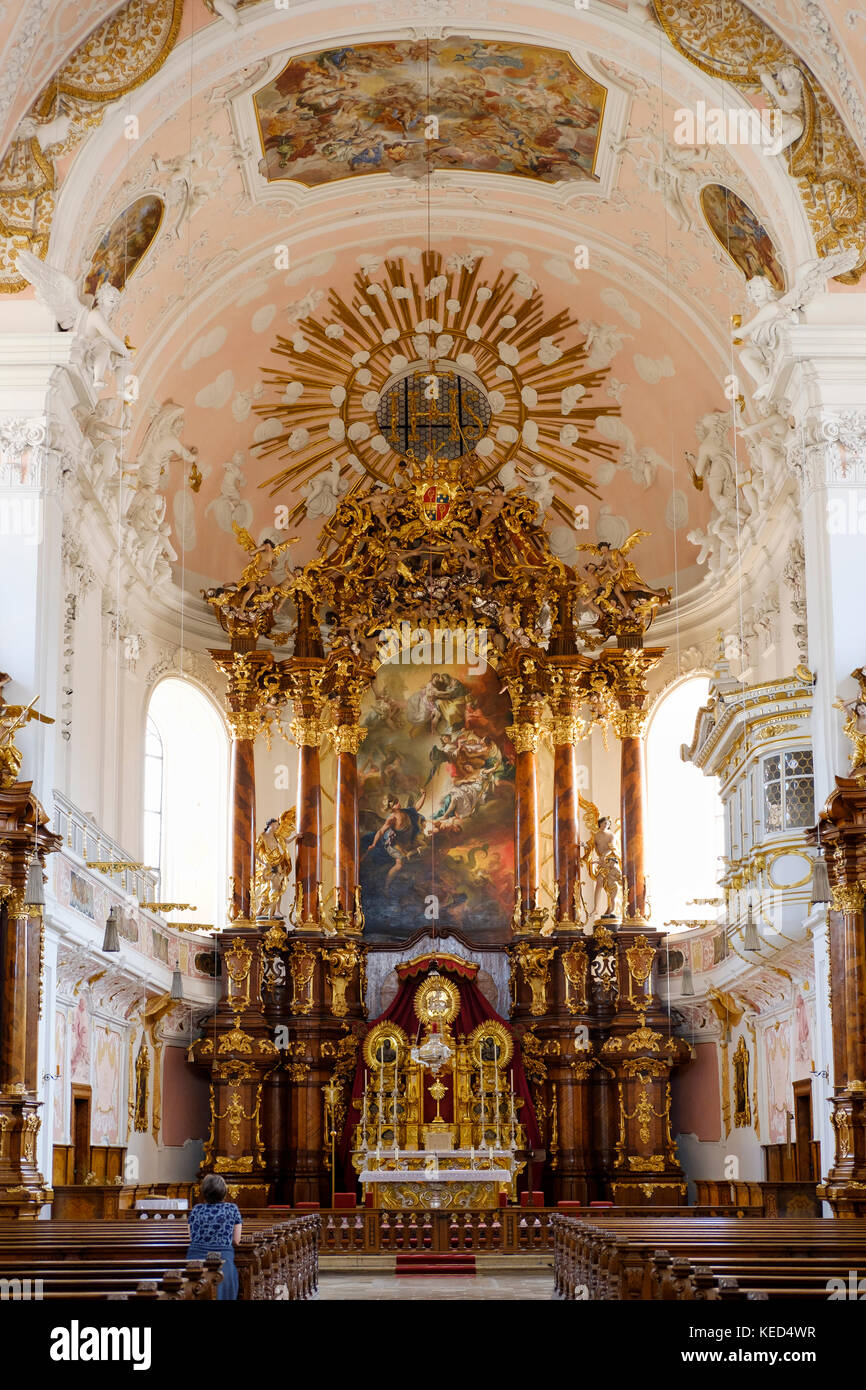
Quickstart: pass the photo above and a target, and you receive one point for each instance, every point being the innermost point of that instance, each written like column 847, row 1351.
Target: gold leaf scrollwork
column 238, row 960
column 342, row 965
column 535, row 964
column 842, row 1124
column 640, row 959
column 302, row 964
column 848, row 898
column 574, row 968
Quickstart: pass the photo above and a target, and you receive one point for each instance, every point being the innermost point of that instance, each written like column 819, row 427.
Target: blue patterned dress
column 211, row 1225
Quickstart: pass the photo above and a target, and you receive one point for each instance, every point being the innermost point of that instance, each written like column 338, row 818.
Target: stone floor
column 367, row 1287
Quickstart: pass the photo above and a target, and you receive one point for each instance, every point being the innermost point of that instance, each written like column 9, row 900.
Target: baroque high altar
column 440, row 1100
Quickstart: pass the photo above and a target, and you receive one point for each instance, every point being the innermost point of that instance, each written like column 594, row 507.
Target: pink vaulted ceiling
column 205, row 306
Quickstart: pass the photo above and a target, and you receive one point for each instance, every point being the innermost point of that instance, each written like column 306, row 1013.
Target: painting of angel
column 436, row 793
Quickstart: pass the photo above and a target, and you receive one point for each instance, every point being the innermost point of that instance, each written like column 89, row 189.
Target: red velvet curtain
column 474, row 1009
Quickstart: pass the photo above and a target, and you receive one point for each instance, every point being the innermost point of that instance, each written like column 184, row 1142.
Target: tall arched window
column 152, row 796
column 186, row 746
column 685, row 836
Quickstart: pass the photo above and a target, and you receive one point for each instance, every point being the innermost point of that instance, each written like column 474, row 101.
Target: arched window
column 685, row 836
column 186, row 758
column 152, row 796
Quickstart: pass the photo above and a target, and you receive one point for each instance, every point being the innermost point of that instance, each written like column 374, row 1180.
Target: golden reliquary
column 439, row 1119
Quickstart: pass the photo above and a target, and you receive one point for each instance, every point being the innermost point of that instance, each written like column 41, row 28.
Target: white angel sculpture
column 760, row 336
column 47, row 134
column 786, row 87
column 539, row 486
column 714, row 465
column 227, row 10
column 323, row 492
column 104, row 350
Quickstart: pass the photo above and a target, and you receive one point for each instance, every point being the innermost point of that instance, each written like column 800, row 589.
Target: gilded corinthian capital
column 347, row 738
column 524, row 736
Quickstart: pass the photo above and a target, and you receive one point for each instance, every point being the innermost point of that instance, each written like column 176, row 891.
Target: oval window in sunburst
column 439, row 412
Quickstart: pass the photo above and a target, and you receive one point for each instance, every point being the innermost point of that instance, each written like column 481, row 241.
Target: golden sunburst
column 439, row 317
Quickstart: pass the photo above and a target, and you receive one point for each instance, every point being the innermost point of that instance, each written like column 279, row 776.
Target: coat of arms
column 436, row 491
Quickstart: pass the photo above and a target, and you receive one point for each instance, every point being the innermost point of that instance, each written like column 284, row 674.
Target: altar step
column 449, row 1262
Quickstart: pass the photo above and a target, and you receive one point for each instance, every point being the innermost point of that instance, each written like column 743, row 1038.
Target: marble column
column 632, row 807
column 243, row 700
column 242, row 800
column 525, row 733
column 307, row 733
column 569, row 778
column 346, row 739
column 627, row 670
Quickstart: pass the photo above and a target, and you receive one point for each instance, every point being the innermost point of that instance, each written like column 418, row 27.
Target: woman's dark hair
column 213, row 1188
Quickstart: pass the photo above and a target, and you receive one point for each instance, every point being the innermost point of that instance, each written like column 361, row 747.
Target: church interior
column 432, row 803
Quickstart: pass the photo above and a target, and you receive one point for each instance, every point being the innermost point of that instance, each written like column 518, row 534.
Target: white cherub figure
column 539, row 486
column 322, row 493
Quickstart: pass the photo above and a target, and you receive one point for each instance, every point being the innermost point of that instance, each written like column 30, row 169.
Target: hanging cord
column 735, row 393
column 669, row 339
column 186, row 291
column 431, row 367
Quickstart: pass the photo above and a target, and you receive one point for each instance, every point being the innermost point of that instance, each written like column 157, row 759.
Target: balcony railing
column 84, row 837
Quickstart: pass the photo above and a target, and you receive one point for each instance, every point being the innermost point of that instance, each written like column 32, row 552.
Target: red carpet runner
column 432, row 1262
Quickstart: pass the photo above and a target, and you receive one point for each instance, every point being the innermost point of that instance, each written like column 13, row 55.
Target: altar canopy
column 474, row 1010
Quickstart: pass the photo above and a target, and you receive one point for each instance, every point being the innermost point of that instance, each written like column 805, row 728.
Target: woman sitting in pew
column 215, row 1225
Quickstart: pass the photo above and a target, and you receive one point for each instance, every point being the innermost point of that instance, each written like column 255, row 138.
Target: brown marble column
column 347, row 739
column 23, row 835
column 525, row 735
column 347, row 676
column 566, row 823
column 244, row 697
column 627, row 670
column 242, row 800
column 566, row 698
column 523, row 670
column 632, row 807
column 307, row 733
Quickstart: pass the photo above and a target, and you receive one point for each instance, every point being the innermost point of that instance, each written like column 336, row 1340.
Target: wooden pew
column 612, row 1258
column 275, row 1259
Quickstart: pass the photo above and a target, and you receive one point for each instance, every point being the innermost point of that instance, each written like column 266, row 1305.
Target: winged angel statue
column 274, row 863
column 758, row 339
column 104, row 350
column 253, row 599
column 601, row 860
column 614, row 592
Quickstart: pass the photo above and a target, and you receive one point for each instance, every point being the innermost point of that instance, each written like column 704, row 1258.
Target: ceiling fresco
column 406, row 108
